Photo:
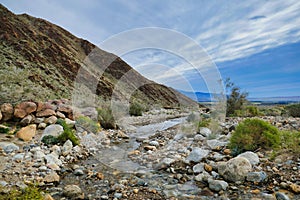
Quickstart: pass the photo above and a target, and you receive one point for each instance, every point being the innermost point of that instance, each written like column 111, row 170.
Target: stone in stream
column 234, row 170
column 197, row 155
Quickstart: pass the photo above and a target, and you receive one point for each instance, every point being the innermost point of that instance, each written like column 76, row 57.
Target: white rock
column 67, row 148
column 252, row 157
column 54, row 130
column 236, row 169
column 38, row 155
column 53, row 159
column 198, row 168
column 205, row 131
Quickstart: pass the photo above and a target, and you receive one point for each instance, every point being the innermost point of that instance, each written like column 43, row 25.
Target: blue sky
column 255, row 42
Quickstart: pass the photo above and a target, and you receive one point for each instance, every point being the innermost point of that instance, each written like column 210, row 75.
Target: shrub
column 4, row 129
column 88, row 124
column 136, row 109
column 106, row 118
column 50, row 140
column 204, row 123
column 293, row 110
column 252, row 134
column 29, row 193
column 68, row 133
column 290, row 140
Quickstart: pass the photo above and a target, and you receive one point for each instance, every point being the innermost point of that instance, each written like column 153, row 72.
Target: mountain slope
column 41, row 61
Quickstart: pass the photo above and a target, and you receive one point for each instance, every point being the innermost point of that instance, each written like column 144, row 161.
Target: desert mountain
column 40, row 61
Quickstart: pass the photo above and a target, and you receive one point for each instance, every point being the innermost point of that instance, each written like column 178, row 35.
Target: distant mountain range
column 207, row 97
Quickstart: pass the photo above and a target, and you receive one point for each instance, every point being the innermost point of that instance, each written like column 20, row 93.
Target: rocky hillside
column 40, row 61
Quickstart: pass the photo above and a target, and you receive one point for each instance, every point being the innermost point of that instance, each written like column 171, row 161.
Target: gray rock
column 73, row 192
column 256, row 176
column 154, row 143
column 54, row 130
column 164, row 163
column 205, row 131
column 197, row 154
column 217, row 185
column 9, row 147
column 69, row 122
column 78, row 172
column 198, row 168
column 53, row 159
column 19, row 157
column 252, row 157
column 236, row 169
column 118, row 195
column 56, row 150
column 281, row 196
column 3, row 183
column 67, row 148
column 26, row 120
column 42, row 125
column 198, row 138
column 38, row 155
column 213, row 144
column 203, row 177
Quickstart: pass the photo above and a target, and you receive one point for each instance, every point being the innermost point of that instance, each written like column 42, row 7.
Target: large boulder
column 27, row 133
column 234, row 170
column 7, row 111
column 252, row 157
column 54, row 130
column 24, row 108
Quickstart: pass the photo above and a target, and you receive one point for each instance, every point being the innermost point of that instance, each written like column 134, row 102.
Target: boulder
column 53, row 129
column 197, row 155
column 236, row 169
column 252, row 157
column 7, row 111
column 27, row 133
column 45, row 113
column 24, row 108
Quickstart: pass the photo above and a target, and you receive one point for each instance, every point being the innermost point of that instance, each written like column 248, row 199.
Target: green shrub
column 106, row 118
column 68, row 133
column 293, row 110
column 136, row 109
column 50, row 140
column 290, row 141
column 4, row 129
column 252, row 134
column 204, row 123
column 29, row 193
column 88, row 124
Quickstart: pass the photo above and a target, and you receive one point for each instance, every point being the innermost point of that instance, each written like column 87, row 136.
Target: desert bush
column 50, row 140
column 106, row 118
column 252, row 134
column 290, row 141
column 29, row 193
column 88, row 124
column 293, row 110
column 136, row 109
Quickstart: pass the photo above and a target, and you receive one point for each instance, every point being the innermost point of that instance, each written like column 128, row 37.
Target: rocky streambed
column 160, row 160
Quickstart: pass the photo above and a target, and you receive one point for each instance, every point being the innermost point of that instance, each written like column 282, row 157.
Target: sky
column 254, row 42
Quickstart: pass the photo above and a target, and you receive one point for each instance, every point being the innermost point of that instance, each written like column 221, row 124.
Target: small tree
column 236, row 99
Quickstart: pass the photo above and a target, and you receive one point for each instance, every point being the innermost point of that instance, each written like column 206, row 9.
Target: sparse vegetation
column 290, row 141
column 236, row 99
column 29, row 193
column 4, row 129
column 106, row 118
column 88, row 124
column 252, row 134
column 68, row 133
column 136, row 109
column 293, row 110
